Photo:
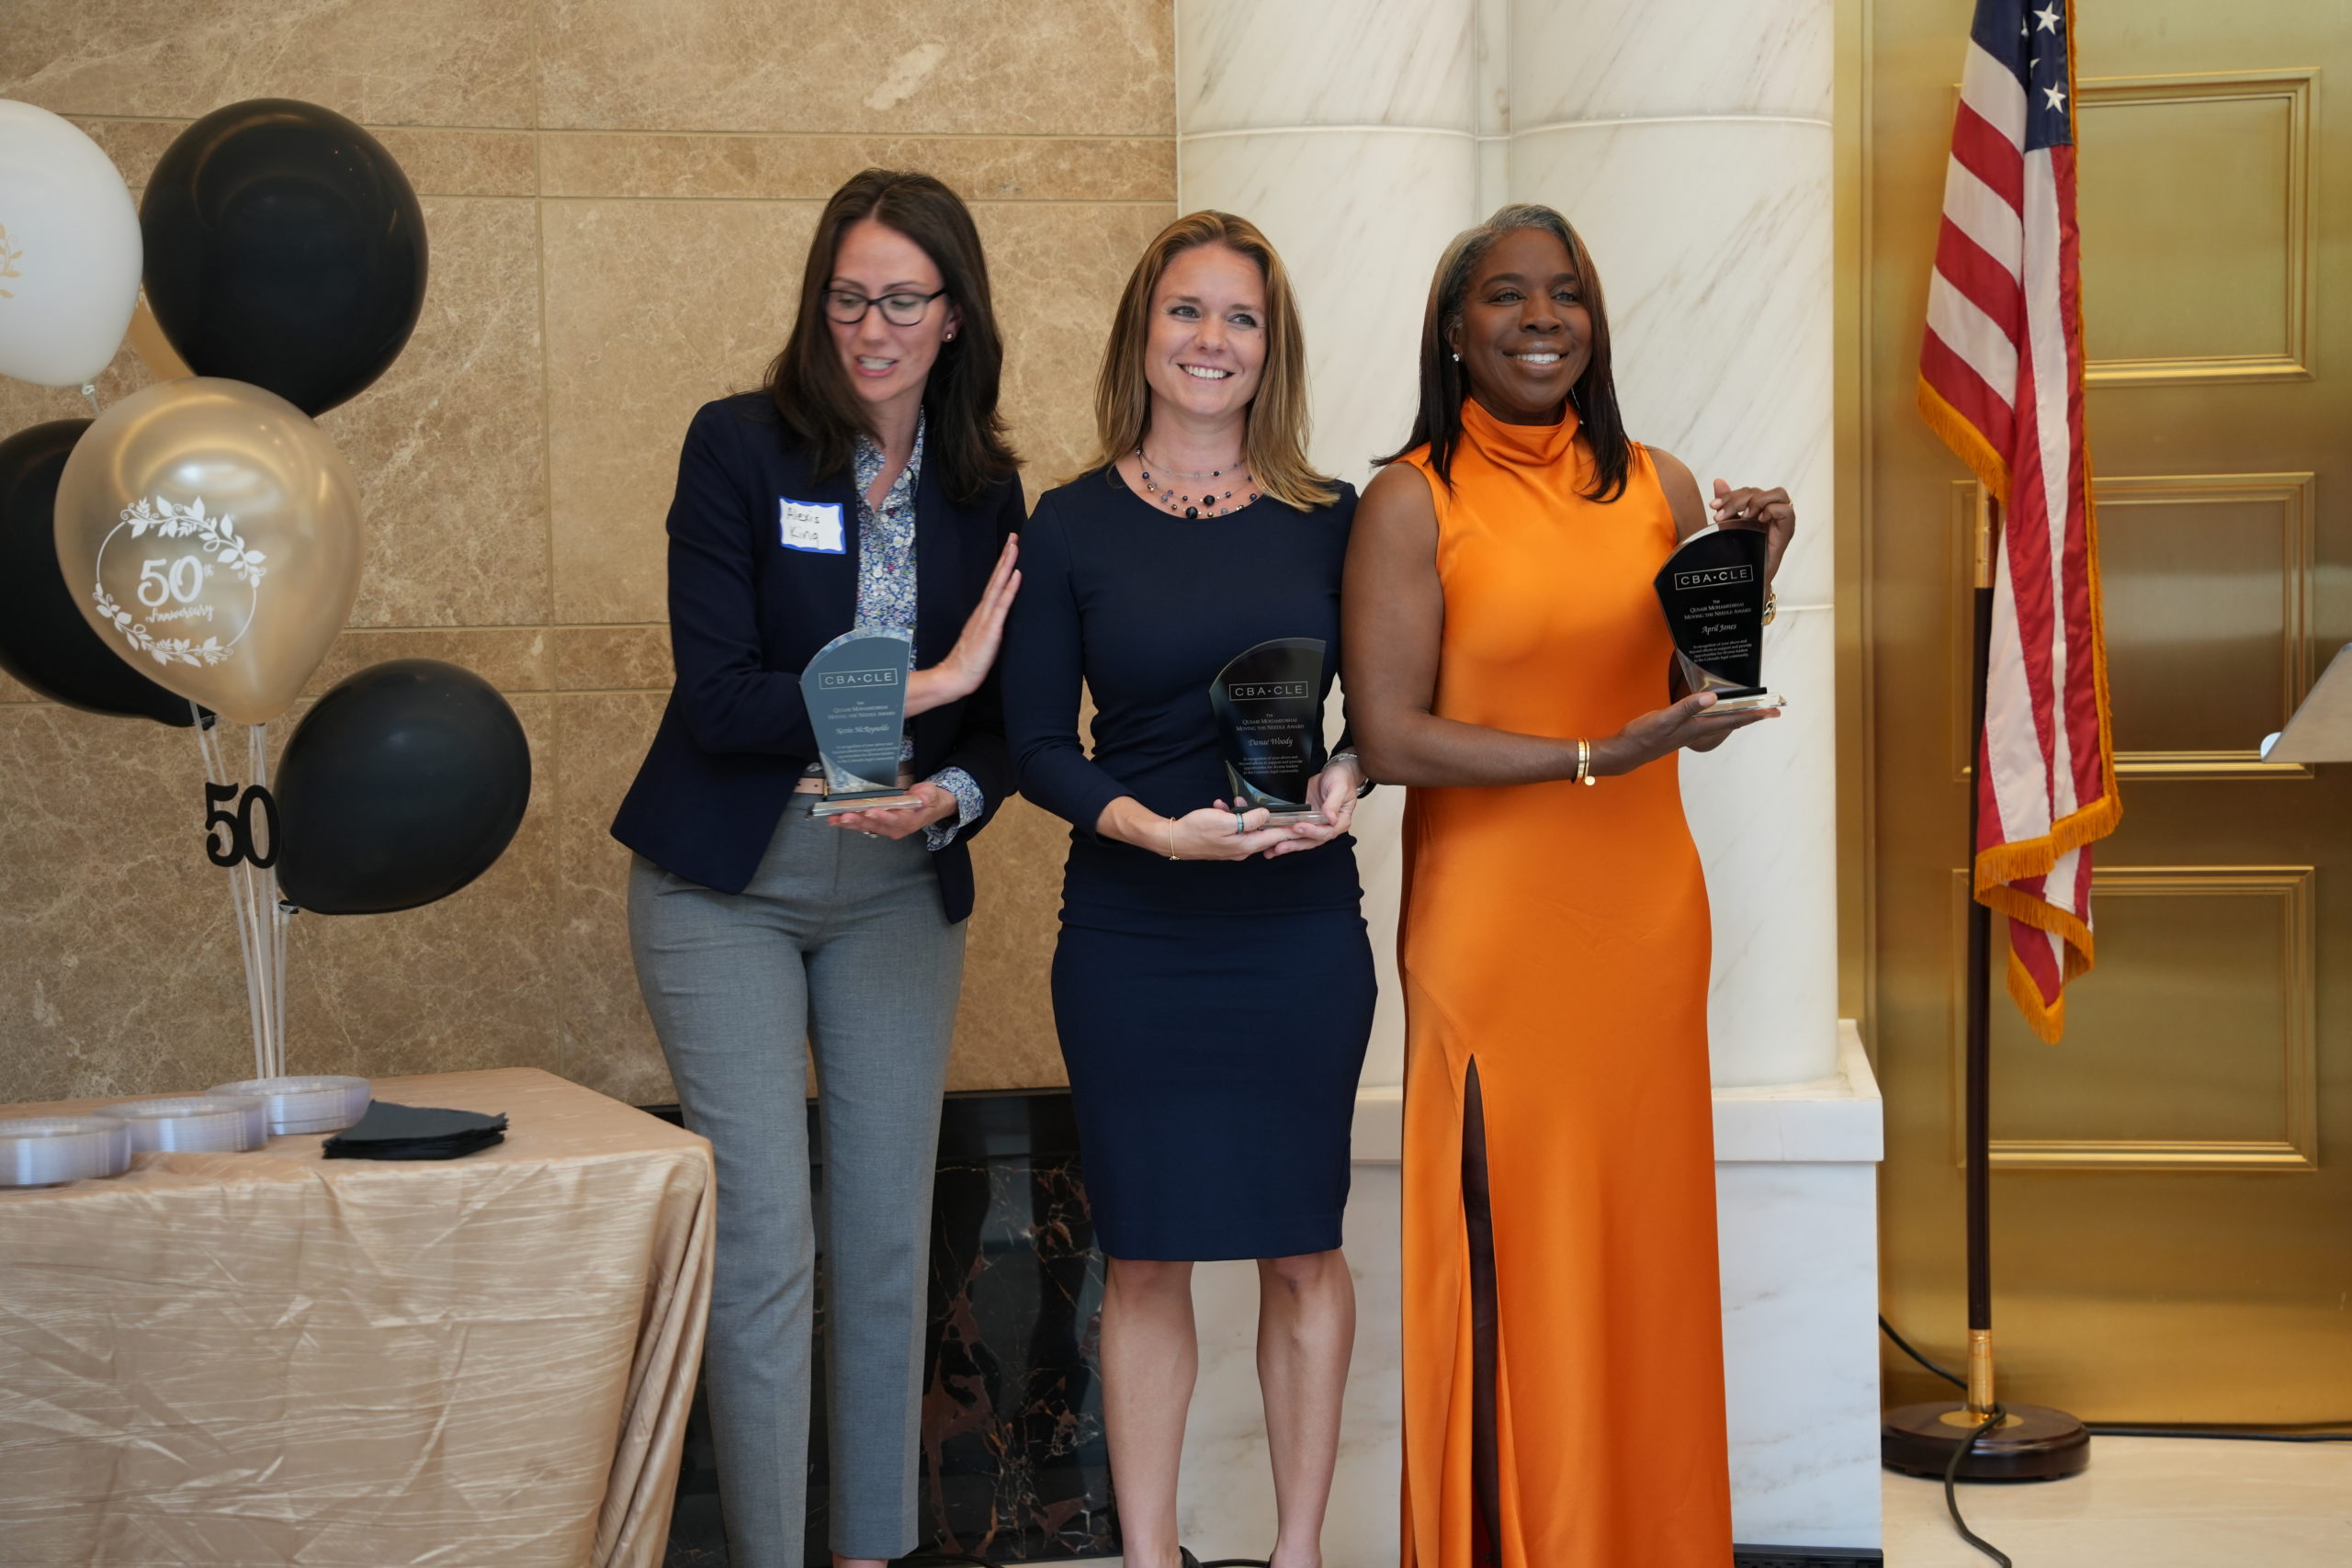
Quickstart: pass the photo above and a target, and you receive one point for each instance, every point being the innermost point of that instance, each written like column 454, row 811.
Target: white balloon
column 70, row 250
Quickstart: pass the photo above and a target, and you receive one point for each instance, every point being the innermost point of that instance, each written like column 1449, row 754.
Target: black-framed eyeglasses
column 848, row 307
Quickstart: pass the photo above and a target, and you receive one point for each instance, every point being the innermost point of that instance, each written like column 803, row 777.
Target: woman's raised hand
column 1684, row 726
column 1749, row 507
column 959, row 674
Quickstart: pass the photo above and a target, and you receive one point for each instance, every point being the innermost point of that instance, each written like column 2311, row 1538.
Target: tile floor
column 2144, row 1503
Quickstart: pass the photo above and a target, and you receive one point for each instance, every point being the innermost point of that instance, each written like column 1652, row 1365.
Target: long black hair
column 1437, row 424
column 820, row 411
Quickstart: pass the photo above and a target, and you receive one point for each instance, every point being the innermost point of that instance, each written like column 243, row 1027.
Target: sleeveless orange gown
column 1564, row 1382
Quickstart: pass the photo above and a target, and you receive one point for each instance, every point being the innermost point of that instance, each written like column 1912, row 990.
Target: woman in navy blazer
column 868, row 486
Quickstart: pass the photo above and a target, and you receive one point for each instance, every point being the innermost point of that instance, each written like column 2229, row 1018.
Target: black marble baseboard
column 1804, row 1557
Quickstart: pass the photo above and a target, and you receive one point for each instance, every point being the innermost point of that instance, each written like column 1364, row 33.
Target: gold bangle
column 1584, row 763
column 1172, row 837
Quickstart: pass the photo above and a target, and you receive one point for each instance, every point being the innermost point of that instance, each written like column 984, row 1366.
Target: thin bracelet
column 1584, row 763
column 1172, row 837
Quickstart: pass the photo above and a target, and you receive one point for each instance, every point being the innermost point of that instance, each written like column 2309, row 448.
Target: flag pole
column 1978, row 1085
column 2012, row 1442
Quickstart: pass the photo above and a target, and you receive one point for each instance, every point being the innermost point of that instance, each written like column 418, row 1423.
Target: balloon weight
column 286, row 248
column 44, row 641
column 68, row 250
column 400, row 786
column 210, row 535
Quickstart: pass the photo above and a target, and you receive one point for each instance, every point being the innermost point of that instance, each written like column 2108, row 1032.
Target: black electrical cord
column 1905, row 1346
column 1951, row 1493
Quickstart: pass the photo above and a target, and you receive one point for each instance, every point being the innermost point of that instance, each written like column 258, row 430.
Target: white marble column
column 1348, row 130
column 1688, row 141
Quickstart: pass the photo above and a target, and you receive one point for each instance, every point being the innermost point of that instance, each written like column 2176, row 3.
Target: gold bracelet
column 1172, row 837
column 1584, row 763
column 1771, row 606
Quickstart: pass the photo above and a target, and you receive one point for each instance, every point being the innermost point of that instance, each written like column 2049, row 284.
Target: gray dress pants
column 839, row 940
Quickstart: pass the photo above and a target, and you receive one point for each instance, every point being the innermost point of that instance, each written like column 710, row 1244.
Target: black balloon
column 44, row 641
column 400, row 786
column 286, row 248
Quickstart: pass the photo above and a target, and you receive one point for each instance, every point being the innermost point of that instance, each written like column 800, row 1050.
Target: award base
column 879, row 800
column 1741, row 699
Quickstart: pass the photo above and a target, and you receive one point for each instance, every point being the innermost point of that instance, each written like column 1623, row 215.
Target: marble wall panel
column 437, row 160
column 512, row 658
column 1247, row 65
column 653, row 310
column 1713, row 242
column 412, row 62
column 810, row 168
column 903, row 65
column 447, row 443
column 121, row 967
column 1057, row 270
column 608, row 659
column 467, row 982
column 608, row 1040
column 1584, row 60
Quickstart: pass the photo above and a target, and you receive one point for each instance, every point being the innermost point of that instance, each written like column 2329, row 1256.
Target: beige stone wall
column 617, row 193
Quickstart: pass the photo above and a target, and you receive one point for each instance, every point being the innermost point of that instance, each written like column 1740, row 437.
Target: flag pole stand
column 2014, row 1443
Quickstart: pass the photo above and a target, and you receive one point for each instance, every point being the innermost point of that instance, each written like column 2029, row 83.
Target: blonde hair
column 1274, row 438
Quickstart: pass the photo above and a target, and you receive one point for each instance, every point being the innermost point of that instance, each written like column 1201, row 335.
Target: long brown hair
column 963, row 432
column 1438, row 422
column 1274, row 436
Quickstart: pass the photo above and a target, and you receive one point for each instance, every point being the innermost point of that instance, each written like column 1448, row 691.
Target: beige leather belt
column 814, row 783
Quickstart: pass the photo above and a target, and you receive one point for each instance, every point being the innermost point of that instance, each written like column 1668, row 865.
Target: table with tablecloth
column 277, row 1358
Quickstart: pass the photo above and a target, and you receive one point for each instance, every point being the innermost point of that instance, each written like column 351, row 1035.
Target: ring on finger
column 1240, row 821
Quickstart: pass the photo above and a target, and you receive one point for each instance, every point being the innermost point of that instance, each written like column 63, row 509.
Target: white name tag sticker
column 810, row 525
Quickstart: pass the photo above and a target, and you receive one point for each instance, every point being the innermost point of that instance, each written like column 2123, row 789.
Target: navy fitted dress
column 1213, row 1014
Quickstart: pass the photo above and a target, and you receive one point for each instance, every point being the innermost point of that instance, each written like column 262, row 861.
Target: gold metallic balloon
column 210, row 534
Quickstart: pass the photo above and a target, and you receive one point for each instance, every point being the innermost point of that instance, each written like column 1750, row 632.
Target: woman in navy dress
column 1213, row 985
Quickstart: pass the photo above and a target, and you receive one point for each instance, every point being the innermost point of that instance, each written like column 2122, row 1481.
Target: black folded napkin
column 415, row 1132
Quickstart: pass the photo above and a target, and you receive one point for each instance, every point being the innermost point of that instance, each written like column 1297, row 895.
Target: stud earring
column 1457, row 359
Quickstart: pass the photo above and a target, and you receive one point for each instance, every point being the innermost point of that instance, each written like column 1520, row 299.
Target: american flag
column 2001, row 380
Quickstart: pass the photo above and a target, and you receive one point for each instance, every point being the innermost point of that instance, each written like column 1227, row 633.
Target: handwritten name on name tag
column 810, row 525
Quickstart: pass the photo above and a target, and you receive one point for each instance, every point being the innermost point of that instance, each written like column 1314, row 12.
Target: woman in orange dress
column 1564, row 1385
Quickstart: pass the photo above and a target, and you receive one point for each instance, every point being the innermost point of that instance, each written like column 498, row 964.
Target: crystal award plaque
column 1269, row 707
column 857, row 692
column 1712, row 590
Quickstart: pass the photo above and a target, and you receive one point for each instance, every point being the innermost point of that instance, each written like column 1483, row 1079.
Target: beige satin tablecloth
column 276, row 1358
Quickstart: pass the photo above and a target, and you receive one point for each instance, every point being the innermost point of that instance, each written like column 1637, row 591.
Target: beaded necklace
column 1192, row 507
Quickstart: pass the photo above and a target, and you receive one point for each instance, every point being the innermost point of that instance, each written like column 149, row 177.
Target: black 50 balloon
column 286, row 248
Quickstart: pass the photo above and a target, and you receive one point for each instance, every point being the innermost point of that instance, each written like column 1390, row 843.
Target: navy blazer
column 747, row 614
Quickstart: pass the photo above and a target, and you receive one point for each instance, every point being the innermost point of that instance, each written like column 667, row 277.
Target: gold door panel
column 2221, row 297
column 2208, row 582
column 2189, row 1048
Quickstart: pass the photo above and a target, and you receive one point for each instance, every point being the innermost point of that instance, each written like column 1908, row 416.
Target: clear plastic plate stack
column 306, row 1104
column 44, row 1151
column 204, row 1124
